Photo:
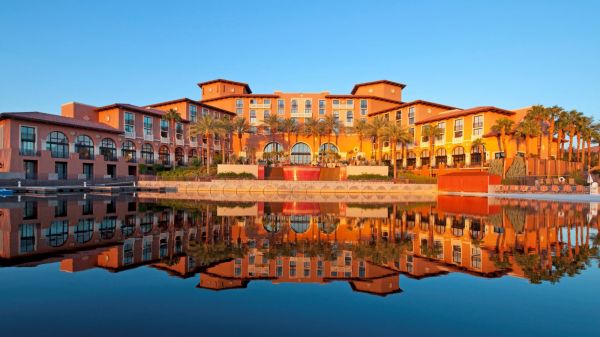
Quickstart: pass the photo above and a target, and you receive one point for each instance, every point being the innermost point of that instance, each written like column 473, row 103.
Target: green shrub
column 368, row 176
column 233, row 175
column 416, row 178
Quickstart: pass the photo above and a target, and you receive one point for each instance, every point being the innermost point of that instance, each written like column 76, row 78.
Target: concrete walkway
column 533, row 196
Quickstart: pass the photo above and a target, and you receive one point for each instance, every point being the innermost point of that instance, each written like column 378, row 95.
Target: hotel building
column 90, row 142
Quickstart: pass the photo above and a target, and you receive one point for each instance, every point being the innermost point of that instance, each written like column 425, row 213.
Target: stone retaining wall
column 291, row 187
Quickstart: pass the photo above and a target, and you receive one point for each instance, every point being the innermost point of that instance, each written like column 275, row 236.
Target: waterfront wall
column 235, row 168
column 291, row 187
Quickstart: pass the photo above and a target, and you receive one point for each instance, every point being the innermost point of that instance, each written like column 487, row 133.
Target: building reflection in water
column 229, row 244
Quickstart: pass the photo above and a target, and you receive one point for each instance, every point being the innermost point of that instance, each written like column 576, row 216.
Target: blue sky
column 462, row 53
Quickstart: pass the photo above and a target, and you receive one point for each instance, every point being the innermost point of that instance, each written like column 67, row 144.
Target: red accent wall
column 467, row 182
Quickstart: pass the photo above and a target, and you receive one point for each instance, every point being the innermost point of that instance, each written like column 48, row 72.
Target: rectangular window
column 87, row 207
column 252, row 116
column 266, row 101
column 30, row 210
column 204, row 111
column 477, row 126
column 363, row 107
column 280, row 106
column 266, row 114
column 321, row 107
column 307, row 106
column 349, row 102
column 179, row 131
column 349, row 117
column 164, row 128
column 88, row 170
column 27, row 238
column 239, row 106
column 193, row 113
column 399, row 116
column 147, row 125
column 27, row 141
column 458, row 128
column 294, row 106
column 411, row 115
column 129, row 123
column 60, row 209
column 335, row 103
column 456, row 254
column 60, row 169
column 442, row 135
column 425, row 133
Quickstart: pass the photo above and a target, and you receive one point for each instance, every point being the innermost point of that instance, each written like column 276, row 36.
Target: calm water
column 123, row 266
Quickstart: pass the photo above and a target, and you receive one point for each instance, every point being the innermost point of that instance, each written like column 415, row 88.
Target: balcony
column 343, row 106
column 301, row 114
column 260, row 106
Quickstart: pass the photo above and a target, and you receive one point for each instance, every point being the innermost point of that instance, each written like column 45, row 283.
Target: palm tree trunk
column 207, row 153
column 394, row 159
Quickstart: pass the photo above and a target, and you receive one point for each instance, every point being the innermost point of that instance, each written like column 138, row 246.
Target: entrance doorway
column 30, row 169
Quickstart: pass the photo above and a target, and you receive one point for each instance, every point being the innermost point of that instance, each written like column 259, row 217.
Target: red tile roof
column 36, row 116
column 405, row 104
column 125, row 106
column 356, row 86
column 240, row 96
column 189, row 100
column 460, row 113
column 365, row 96
column 245, row 85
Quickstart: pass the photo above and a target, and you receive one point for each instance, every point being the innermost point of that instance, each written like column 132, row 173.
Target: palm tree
column 528, row 128
column 539, row 114
column 432, row 132
column 173, row 117
column 240, row 127
column 573, row 118
column 395, row 133
column 273, row 124
column 503, row 126
column 376, row 130
column 361, row 129
column 479, row 145
column 289, row 126
column 552, row 115
column 584, row 130
column 205, row 126
column 225, row 129
column 312, row 128
column 331, row 125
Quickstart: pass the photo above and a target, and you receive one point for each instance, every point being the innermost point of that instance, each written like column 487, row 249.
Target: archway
column 300, row 154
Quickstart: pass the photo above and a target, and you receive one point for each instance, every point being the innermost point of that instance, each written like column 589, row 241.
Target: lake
column 92, row 265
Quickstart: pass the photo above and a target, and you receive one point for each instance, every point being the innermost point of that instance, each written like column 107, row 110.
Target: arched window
column 328, row 151
column 108, row 227
column 425, row 157
column 300, row 154
column 477, row 154
column 128, row 225
column 179, row 156
column 273, row 151
column 411, row 159
column 128, row 151
column 440, row 156
column 58, row 233
column 272, row 223
column 58, row 144
column 85, row 147
column 300, row 223
column 84, row 230
column 108, row 149
column 163, row 155
column 458, row 155
column 148, row 153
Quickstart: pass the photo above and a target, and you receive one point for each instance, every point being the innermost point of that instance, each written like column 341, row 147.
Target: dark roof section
column 460, row 113
column 356, row 86
column 125, row 106
column 245, row 85
column 36, row 116
column 239, row 96
column 365, row 96
column 419, row 101
column 189, row 100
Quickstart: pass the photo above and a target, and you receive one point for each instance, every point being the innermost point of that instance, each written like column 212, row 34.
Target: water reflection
column 229, row 244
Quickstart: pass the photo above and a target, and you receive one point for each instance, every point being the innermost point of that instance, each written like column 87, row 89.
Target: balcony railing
column 343, row 106
column 260, row 106
column 29, row 152
column 129, row 134
column 148, row 137
column 165, row 140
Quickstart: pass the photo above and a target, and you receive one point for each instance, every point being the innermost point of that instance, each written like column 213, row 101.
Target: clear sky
column 462, row 53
